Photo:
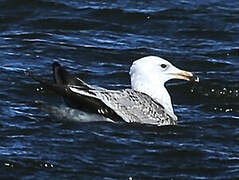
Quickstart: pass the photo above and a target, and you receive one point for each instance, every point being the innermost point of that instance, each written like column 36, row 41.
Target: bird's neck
column 157, row 91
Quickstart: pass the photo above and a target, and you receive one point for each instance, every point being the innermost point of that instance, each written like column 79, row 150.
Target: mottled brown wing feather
column 133, row 106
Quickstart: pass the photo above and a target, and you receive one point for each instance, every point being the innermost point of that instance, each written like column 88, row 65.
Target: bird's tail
column 57, row 88
column 62, row 81
column 62, row 77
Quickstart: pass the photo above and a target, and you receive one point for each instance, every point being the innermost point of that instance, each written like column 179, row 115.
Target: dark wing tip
column 55, row 65
column 59, row 74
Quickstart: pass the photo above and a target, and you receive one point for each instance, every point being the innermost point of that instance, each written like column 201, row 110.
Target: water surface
column 99, row 40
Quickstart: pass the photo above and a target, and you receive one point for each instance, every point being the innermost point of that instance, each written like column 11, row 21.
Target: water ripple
column 98, row 40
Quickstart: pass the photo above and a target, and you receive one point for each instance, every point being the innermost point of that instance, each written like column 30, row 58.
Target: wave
column 8, row 4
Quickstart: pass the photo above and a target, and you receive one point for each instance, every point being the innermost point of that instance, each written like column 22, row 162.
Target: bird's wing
column 130, row 105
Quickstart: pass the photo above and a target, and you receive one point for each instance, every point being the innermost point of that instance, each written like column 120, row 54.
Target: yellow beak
column 185, row 75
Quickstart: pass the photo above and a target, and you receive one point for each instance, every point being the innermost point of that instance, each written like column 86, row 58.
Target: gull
column 147, row 101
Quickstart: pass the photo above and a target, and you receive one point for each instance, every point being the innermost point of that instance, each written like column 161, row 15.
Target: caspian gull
column 148, row 101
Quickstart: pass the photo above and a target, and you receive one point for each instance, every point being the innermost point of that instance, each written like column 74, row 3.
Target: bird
column 146, row 102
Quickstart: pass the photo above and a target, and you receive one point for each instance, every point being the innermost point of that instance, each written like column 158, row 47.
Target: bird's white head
column 149, row 74
column 153, row 68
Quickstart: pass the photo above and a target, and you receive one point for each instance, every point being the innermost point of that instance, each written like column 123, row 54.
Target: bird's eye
column 163, row 66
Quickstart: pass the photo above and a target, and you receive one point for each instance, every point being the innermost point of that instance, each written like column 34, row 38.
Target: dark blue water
column 99, row 40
